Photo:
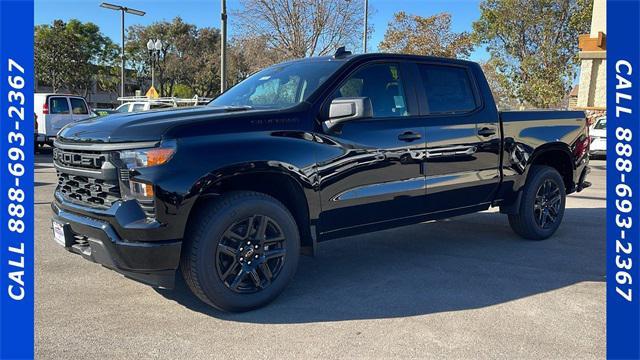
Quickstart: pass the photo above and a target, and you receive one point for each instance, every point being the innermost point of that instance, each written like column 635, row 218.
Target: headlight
column 142, row 158
column 139, row 158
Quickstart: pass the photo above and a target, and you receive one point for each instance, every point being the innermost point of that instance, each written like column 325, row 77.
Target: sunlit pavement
column 462, row 288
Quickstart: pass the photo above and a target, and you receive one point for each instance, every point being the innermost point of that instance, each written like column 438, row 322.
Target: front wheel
column 241, row 251
column 542, row 206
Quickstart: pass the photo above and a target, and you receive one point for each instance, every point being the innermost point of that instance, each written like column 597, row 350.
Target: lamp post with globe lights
column 155, row 49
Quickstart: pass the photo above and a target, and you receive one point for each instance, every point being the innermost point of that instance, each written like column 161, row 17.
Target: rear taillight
column 581, row 147
column 45, row 108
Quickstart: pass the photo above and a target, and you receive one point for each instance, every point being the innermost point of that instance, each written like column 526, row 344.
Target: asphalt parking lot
column 462, row 288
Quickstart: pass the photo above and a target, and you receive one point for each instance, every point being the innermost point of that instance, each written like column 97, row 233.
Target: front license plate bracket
column 62, row 233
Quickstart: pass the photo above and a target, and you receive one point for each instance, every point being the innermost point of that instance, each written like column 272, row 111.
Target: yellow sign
column 152, row 93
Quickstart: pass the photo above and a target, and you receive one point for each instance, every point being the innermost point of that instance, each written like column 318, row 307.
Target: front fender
column 202, row 161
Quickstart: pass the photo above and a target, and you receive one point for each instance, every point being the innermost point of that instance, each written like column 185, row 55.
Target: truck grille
column 88, row 191
column 88, row 178
column 83, row 179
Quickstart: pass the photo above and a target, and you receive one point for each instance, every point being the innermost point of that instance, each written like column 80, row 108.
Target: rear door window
column 78, row 106
column 448, row 89
column 58, row 105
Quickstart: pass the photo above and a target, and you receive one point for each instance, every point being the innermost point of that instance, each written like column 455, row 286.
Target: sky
column 206, row 13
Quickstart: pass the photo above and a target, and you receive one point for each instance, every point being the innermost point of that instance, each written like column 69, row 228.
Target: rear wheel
column 542, row 206
column 241, row 251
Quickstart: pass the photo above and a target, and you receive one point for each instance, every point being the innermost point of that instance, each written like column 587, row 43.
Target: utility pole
column 122, row 9
column 122, row 53
column 364, row 31
column 223, row 48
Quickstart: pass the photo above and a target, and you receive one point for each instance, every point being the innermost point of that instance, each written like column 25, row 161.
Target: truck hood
column 152, row 125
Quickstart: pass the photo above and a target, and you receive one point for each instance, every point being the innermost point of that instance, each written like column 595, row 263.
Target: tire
column 212, row 260
column 544, row 196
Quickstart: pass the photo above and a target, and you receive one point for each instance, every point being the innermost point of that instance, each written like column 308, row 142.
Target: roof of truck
column 375, row 56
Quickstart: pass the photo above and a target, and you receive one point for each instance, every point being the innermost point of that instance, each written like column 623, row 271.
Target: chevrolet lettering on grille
column 81, row 160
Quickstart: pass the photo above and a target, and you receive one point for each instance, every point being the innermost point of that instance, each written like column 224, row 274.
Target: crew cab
column 299, row 153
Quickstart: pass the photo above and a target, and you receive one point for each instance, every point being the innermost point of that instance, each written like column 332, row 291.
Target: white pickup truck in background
column 143, row 103
column 54, row 111
column 137, row 106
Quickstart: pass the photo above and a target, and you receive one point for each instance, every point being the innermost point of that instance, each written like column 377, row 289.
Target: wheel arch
column 558, row 156
column 292, row 189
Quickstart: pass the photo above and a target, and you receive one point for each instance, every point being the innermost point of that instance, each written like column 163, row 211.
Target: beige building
column 592, row 95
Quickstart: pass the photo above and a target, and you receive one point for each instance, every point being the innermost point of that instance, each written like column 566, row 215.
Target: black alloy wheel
column 240, row 251
column 542, row 204
column 547, row 204
column 251, row 254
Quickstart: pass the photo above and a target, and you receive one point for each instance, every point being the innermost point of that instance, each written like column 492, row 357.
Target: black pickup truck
column 301, row 152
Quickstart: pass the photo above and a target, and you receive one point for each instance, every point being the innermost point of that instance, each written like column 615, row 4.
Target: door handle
column 486, row 132
column 409, row 136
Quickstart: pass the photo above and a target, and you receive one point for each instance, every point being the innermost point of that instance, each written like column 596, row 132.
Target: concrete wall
column 593, row 80
column 593, row 66
column 599, row 18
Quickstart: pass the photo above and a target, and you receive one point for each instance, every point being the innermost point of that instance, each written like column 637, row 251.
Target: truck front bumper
column 96, row 239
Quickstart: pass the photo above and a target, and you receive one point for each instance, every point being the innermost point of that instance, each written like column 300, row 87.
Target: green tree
column 191, row 57
column 70, row 55
column 205, row 63
column 52, row 46
column 534, row 45
column 503, row 98
column 432, row 35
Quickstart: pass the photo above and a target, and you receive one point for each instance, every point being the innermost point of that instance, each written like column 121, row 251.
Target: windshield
column 279, row 86
column 601, row 124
